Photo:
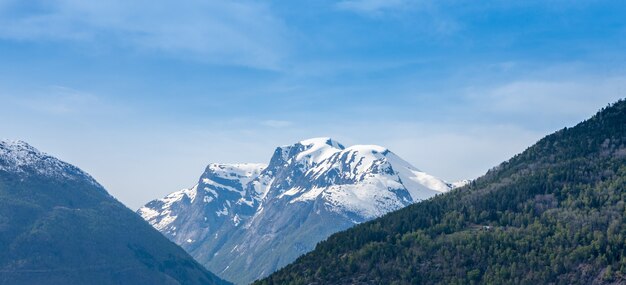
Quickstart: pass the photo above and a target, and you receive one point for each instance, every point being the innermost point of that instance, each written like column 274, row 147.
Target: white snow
column 148, row 213
column 311, row 194
column 163, row 217
column 207, row 189
column 365, row 180
column 17, row 156
column 461, row 183
column 261, row 186
column 208, row 181
column 369, row 199
column 369, row 193
column 360, row 158
column 244, row 172
column 241, row 174
column 318, row 149
column 165, row 220
column 236, row 220
column 244, row 201
column 223, row 212
column 420, row 185
column 19, row 153
column 367, row 148
column 191, row 193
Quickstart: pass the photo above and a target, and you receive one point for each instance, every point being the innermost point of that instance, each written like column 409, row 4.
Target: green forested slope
column 553, row 214
column 59, row 226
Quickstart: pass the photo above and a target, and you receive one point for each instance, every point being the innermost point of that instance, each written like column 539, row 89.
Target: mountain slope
column 554, row 214
column 244, row 221
column 59, row 226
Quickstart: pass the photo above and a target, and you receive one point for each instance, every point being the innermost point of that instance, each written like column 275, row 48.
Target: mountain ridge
column 307, row 191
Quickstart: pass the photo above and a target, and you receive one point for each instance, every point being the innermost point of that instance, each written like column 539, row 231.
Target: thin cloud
column 58, row 101
column 61, row 100
column 224, row 32
column 430, row 17
column 569, row 97
column 370, row 6
column 277, row 123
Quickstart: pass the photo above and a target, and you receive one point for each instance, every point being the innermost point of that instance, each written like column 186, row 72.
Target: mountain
column 244, row 221
column 554, row 214
column 59, row 226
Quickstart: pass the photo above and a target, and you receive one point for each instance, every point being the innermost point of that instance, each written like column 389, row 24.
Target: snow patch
column 242, row 172
column 20, row 157
column 318, row 149
column 223, row 212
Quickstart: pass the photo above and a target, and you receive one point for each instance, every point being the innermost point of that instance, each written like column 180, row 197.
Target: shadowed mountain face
column 244, row 221
column 554, row 214
column 59, row 226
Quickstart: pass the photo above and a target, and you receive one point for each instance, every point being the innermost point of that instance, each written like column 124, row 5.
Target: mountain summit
column 244, row 221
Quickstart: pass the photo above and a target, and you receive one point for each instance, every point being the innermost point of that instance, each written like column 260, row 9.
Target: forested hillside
column 59, row 226
column 552, row 214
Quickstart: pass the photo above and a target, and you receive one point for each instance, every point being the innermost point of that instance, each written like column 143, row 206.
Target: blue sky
column 143, row 94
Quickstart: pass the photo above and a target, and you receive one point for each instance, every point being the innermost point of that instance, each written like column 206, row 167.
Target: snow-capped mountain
column 244, row 221
column 21, row 158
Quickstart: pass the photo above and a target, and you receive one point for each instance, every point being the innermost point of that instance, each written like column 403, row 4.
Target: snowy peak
column 365, row 181
column 322, row 141
column 19, row 153
column 231, row 177
column 219, row 193
column 289, row 164
column 17, row 145
column 318, row 149
column 242, row 171
column 226, row 184
column 21, row 158
column 307, row 152
column 361, row 163
column 374, row 149
column 160, row 213
column 246, row 220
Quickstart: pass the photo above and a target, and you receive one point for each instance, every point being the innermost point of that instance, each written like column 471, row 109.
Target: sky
column 144, row 94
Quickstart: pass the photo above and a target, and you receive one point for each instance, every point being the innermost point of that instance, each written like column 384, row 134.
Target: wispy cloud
column 57, row 101
column 277, row 123
column 429, row 17
column 566, row 97
column 224, row 32
column 60, row 100
column 370, row 6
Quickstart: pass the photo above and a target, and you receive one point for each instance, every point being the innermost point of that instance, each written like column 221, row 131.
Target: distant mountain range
column 59, row 226
column 554, row 214
column 321, row 213
column 244, row 221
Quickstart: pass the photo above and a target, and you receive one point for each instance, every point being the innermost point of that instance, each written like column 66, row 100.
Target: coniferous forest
column 554, row 214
